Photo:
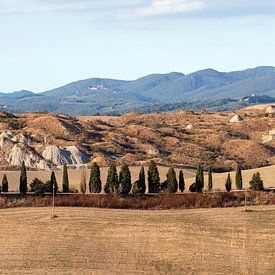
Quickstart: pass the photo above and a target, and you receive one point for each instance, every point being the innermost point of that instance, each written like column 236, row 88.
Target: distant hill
column 17, row 95
column 97, row 95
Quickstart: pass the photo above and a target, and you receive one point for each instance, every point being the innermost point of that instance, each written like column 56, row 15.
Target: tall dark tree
column 139, row 187
column 65, row 179
column 52, row 183
column 199, row 179
column 141, row 181
column 95, row 184
column 210, row 179
column 239, row 178
column 256, row 182
column 181, row 181
column 83, row 181
column 112, row 183
column 23, row 187
column 125, row 183
column 5, row 184
column 172, row 184
column 228, row 184
column 153, row 177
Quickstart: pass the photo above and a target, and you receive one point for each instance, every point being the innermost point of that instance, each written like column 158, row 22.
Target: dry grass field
column 267, row 173
column 100, row 241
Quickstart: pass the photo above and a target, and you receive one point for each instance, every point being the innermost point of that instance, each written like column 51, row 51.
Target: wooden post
column 53, row 215
column 245, row 200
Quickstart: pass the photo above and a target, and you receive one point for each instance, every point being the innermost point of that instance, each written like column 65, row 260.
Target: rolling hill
column 183, row 139
column 97, row 95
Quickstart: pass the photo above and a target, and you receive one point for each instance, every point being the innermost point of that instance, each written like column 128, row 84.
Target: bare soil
column 100, row 241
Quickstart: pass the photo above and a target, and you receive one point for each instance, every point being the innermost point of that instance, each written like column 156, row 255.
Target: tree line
column 121, row 183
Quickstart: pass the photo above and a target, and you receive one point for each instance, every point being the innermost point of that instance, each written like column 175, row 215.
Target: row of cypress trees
column 121, row 183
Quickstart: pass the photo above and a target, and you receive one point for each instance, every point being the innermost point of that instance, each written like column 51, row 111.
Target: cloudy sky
column 47, row 43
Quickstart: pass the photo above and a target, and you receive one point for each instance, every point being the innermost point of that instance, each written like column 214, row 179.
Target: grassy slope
column 82, row 241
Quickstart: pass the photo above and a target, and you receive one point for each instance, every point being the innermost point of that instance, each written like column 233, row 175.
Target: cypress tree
column 23, row 187
column 210, row 179
column 5, row 184
column 153, row 177
column 239, row 179
column 112, row 184
column 139, row 186
column 65, row 179
column 181, row 181
column 125, row 183
column 228, row 184
column 172, row 184
column 141, row 181
column 95, row 184
column 199, row 179
column 52, row 183
column 83, row 181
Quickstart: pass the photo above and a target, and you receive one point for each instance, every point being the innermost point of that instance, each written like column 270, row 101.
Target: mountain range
column 104, row 96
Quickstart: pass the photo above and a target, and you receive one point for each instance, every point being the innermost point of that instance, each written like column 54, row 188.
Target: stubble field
column 100, row 241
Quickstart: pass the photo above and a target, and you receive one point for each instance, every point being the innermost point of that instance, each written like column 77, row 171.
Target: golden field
column 267, row 173
column 100, row 241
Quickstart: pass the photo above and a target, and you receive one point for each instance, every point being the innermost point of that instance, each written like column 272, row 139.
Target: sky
column 47, row 43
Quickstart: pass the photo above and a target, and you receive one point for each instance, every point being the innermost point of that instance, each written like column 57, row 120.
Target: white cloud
column 163, row 7
column 135, row 9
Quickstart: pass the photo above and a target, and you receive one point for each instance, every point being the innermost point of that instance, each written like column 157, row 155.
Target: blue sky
column 45, row 44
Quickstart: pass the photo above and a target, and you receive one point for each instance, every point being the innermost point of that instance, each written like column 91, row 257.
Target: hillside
column 184, row 138
column 104, row 96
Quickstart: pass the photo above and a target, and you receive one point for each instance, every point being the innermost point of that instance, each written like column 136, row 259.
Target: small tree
column 52, row 182
column 112, row 184
column 228, row 184
column 23, row 187
column 139, row 186
column 95, row 184
column 172, row 184
column 83, row 181
column 125, row 183
column 65, row 179
column 181, row 181
column 256, row 182
column 239, row 179
column 38, row 187
column 210, row 179
column 193, row 188
column 153, row 177
column 5, row 184
column 141, row 181
column 199, row 179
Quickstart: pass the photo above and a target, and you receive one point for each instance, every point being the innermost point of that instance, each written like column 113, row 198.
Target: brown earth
column 101, row 241
column 135, row 138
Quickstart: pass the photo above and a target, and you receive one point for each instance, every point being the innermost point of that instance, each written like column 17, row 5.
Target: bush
column 38, row 187
column 256, row 182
